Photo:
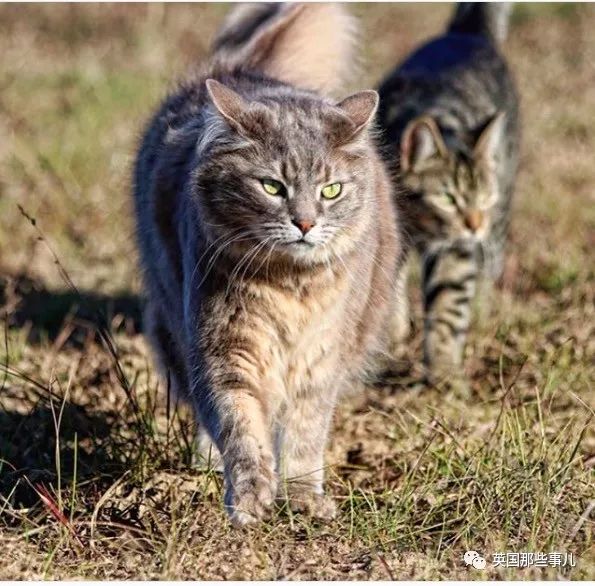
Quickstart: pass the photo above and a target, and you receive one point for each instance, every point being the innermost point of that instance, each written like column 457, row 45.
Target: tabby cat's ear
column 485, row 150
column 360, row 108
column 229, row 104
column 420, row 142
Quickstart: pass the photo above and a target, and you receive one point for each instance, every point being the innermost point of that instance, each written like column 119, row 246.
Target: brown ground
column 420, row 477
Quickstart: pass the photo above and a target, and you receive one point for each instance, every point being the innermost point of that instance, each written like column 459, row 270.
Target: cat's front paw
column 250, row 494
column 317, row 506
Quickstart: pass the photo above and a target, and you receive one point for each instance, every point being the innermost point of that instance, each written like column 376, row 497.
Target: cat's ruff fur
column 259, row 325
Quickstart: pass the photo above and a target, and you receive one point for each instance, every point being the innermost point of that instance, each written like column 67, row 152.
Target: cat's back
column 156, row 150
column 178, row 110
column 449, row 55
column 461, row 78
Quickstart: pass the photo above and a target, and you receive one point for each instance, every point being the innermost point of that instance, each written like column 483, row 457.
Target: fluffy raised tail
column 311, row 46
column 482, row 18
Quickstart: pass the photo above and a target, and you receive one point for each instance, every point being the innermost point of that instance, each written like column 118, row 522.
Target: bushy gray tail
column 482, row 18
column 308, row 45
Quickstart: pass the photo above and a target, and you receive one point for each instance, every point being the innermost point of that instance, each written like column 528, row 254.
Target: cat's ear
column 420, row 142
column 485, row 151
column 360, row 109
column 229, row 104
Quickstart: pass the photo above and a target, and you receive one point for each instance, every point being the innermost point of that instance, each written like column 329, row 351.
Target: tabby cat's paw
column 251, row 495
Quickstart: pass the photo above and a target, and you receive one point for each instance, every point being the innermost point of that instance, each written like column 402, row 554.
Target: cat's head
column 287, row 172
column 452, row 184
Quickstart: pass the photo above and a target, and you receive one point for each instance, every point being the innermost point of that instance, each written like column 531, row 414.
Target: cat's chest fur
column 309, row 333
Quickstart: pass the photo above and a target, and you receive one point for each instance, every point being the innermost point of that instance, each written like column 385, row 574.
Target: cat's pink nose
column 304, row 225
column 473, row 220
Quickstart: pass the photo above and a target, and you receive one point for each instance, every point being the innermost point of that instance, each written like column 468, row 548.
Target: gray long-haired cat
column 449, row 113
column 269, row 244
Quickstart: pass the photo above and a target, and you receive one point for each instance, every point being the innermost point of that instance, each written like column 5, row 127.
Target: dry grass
column 95, row 474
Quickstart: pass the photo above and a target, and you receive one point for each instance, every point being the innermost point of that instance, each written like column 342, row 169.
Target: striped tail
column 311, row 46
column 482, row 18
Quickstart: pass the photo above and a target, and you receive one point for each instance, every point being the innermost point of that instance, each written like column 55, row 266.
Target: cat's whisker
column 218, row 252
column 223, row 236
column 270, row 255
column 349, row 273
column 246, row 258
column 264, row 244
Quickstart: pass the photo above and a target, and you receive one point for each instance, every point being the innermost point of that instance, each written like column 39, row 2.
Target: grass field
column 95, row 472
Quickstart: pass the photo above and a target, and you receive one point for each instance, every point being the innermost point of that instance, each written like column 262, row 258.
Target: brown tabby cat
column 449, row 113
column 269, row 245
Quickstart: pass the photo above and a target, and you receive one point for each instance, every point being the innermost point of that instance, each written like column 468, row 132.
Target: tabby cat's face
column 292, row 180
column 455, row 200
column 451, row 196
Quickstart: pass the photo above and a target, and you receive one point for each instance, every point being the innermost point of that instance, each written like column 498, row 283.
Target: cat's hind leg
column 209, row 457
column 173, row 370
column 167, row 352
column 400, row 323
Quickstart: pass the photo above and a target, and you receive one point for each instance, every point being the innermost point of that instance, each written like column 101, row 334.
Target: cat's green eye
column 272, row 187
column 449, row 198
column 331, row 191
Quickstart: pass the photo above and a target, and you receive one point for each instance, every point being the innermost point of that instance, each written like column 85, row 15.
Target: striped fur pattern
column 450, row 118
column 263, row 308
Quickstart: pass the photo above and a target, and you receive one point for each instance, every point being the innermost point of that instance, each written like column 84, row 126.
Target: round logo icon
column 472, row 558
